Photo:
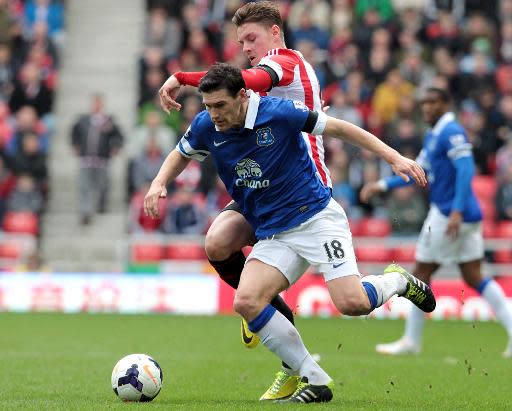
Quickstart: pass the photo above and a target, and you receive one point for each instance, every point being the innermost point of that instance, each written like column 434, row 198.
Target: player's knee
column 246, row 305
column 216, row 246
column 353, row 305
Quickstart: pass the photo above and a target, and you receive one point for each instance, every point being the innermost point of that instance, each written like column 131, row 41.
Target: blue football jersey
column 265, row 165
column 443, row 145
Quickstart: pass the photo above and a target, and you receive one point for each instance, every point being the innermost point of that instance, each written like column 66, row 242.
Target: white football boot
column 403, row 346
column 508, row 351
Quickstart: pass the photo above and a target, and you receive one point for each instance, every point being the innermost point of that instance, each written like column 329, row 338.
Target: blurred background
column 82, row 135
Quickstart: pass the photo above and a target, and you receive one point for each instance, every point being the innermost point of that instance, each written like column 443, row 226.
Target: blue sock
column 372, row 293
column 264, row 317
column 480, row 287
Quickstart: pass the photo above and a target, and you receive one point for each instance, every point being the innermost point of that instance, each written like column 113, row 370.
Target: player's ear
column 243, row 93
column 275, row 30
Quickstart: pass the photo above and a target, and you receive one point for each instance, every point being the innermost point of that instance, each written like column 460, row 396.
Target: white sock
column 495, row 296
column 282, row 338
column 386, row 285
column 414, row 325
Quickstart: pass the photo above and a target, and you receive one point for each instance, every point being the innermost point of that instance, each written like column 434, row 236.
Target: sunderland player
column 452, row 231
column 257, row 146
column 279, row 72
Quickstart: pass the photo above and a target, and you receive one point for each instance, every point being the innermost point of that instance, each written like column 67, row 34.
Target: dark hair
column 262, row 12
column 442, row 94
column 222, row 76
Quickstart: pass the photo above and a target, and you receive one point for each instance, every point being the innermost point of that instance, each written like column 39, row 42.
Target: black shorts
column 232, row 206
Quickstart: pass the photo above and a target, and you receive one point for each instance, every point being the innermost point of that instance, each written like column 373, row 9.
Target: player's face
column 257, row 40
column 225, row 111
column 432, row 108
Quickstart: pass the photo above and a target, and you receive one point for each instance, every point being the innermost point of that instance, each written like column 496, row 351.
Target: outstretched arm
column 402, row 166
column 257, row 79
column 172, row 167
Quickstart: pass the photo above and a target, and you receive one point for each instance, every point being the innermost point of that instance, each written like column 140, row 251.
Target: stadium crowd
column 372, row 58
column 31, row 33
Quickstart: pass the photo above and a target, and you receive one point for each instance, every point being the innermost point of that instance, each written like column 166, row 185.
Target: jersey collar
column 252, row 110
column 442, row 122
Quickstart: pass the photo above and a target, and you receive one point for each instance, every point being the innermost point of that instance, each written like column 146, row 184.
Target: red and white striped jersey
column 297, row 81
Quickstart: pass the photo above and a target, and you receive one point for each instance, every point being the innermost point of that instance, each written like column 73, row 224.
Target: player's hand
column 454, row 223
column 324, row 107
column 369, row 190
column 169, row 93
column 155, row 192
column 407, row 168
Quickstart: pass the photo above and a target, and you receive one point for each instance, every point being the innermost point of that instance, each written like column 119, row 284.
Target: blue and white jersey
column 265, row 166
column 444, row 145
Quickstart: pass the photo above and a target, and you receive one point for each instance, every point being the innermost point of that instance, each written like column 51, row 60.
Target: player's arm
column 171, row 168
column 403, row 167
column 459, row 151
column 258, row 79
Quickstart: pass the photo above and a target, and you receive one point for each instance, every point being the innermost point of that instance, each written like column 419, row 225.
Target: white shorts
column 434, row 246
column 324, row 242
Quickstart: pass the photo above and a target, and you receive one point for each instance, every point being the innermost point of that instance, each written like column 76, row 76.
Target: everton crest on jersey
column 264, row 136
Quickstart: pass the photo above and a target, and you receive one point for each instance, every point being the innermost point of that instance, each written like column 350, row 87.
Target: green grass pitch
column 64, row 362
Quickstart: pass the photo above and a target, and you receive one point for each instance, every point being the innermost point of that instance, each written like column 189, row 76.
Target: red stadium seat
column 503, row 256
column 373, row 254
column 185, row 251
column 147, row 252
column 484, row 187
column 21, row 222
column 374, row 227
column 504, row 229
column 405, row 254
column 11, row 250
column 488, row 209
column 489, row 228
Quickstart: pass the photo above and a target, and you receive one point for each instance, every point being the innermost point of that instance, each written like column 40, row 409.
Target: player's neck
column 242, row 115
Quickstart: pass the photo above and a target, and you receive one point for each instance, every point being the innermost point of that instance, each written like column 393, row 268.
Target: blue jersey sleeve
column 295, row 113
column 192, row 145
column 459, row 152
column 465, row 170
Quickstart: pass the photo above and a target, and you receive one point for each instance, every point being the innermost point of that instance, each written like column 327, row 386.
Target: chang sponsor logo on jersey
column 249, row 174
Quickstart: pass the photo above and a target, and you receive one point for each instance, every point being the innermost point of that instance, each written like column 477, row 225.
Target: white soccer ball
column 137, row 377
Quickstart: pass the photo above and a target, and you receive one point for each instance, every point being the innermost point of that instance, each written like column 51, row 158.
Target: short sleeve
column 295, row 113
column 191, row 145
column 457, row 145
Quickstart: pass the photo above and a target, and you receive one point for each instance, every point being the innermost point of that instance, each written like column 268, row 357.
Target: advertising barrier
column 206, row 295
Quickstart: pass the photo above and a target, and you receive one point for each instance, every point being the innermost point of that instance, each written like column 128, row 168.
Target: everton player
column 262, row 158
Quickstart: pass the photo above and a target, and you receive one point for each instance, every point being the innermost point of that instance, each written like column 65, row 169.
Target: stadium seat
column 503, row 256
column 504, row 229
column 147, row 252
column 21, row 222
column 488, row 209
column 404, row 254
column 11, row 250
column 489, row 229
column 374, row 254
column 484, row 187
column 185, row 251
column 373, row 227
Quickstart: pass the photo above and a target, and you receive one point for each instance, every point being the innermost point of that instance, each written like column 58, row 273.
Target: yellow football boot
column 249, row 339
column 283, row 387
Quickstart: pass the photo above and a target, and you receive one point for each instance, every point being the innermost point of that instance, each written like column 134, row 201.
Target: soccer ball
column 137, row 377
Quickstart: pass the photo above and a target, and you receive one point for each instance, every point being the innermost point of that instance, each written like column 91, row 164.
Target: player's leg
column 410, row 342
column 493, row 294
column 259, row 283
column 326, row 243
column 228, row 234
